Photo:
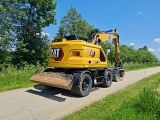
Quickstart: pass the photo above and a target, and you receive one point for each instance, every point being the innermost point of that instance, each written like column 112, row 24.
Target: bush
column 148, row 102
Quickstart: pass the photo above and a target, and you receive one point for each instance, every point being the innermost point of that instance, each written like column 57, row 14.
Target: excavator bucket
column 59, row 80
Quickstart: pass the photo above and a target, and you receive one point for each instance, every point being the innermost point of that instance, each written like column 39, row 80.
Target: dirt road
column 40, row 104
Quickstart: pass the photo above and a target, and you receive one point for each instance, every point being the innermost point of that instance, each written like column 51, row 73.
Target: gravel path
column 40, row 104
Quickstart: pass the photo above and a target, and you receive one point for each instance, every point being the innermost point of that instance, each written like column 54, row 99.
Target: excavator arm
column 98, row 37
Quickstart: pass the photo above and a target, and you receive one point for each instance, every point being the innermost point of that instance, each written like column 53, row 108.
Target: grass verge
column 125, row 104
column 14, row 79
column 131, row 67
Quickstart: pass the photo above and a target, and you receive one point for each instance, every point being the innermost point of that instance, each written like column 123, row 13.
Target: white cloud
column 157, row 40
column 43, row 33
column 131, row 44
column 139, row 13
column 151, row 50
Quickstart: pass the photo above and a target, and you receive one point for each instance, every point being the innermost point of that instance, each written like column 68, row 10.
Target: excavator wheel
column 107, row 79
column 119, row 76
column 84, row 87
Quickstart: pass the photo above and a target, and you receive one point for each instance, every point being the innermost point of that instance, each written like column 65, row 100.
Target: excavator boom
column 102, row 36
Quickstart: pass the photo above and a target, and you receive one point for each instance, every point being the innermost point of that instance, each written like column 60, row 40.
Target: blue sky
column 138, row 21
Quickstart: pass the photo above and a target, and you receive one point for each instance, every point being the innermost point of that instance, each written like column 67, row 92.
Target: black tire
column 119, row 76
column 107, row 80
column 84, row 87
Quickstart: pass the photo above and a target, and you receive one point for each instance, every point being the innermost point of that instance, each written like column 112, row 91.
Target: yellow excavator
column 79, row 64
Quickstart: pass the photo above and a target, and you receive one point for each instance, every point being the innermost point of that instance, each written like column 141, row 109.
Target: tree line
column 21, row 33
column 129, row 54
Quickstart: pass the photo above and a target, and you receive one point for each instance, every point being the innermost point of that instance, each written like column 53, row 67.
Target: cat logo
column 56, row 53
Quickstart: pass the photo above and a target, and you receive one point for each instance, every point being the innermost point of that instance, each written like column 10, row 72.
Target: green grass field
column 139, row 101
column 12, row 78
column 130, row 67
column 144, row 106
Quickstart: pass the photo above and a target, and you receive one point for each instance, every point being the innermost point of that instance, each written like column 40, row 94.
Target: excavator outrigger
column 78, row 64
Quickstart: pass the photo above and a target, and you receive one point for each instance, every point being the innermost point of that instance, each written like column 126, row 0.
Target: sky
column 138, row 21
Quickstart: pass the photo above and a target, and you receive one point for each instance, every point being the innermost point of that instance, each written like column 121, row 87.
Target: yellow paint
column 84, row 59
column 71, row 60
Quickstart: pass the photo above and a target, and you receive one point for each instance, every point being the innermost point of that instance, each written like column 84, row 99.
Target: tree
column 21, row 24
column 145, row 56
column 130, row 55
column 145, row 48
column 73, row 23
column 6, row 32
column 32, row 17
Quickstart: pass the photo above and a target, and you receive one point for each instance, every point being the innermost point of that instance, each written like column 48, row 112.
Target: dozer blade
column 59, row 80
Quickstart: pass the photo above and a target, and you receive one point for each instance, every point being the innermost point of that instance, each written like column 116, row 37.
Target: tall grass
column 13, row 78
column 144, row 106
column 130, row 67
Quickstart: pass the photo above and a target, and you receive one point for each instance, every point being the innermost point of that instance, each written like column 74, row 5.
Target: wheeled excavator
column 79, row 64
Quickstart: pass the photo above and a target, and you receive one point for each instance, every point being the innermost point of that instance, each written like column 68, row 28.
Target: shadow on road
column 51, row 93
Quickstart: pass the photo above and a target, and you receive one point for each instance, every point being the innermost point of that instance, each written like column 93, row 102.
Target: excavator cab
column 71, row 37
column 75, row 37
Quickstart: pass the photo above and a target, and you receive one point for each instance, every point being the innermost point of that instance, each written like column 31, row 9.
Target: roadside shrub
column 148, row 102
